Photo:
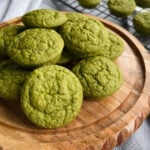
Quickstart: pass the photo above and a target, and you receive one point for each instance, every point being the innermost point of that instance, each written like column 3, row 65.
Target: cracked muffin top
column 84, row 37
column 7, row 34
column 12, row 77
column 35, row 47
column 116, row 47
column 51, row 96
column 44, row 18
column 99, row 76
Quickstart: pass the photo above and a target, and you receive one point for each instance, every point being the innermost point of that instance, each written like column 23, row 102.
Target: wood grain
column 100, row 124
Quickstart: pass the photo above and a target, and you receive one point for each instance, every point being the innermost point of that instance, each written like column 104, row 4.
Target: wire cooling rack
column 102, row 11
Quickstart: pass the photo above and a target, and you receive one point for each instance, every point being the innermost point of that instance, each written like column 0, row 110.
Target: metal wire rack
column 102, row 11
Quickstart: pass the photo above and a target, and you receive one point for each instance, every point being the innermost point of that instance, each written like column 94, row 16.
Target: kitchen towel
column 15, row 8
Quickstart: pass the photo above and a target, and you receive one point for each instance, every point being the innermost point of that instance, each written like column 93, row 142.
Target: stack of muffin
column 36, row 73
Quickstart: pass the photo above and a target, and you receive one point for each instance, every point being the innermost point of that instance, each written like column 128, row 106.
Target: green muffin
column 143, row 3
column 12, row 77
column 142, row 23
column 116, row 44
column 84, row 37
column 35, row 47
column 99, row 77
column 7, row 34
column 51, row 96
column 44, row 18
column 65, row 57
column 121, row 8
column 116, row 47
column 89, row 3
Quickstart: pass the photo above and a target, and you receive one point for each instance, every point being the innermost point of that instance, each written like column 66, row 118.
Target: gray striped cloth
column 9, row 9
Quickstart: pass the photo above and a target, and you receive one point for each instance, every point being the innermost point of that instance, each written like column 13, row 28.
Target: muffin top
column 7, row 34
column 89, row 3
column 84, row 37
column 44, row 18
column 116, row 47
column 99, row 76
column 51, row 96
column 35, row 47
column 121, row 8
column 12, row 77
column 142, row 22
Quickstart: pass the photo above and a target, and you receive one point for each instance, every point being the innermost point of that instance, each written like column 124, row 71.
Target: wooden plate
column 100, row 124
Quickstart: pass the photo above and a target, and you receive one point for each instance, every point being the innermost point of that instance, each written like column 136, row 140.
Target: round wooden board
column 100, row 124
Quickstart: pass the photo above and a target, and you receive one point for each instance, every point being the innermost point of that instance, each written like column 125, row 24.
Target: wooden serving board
column 100, row 124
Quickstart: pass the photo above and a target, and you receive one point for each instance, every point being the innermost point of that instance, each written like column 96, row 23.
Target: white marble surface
column 9, row 9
